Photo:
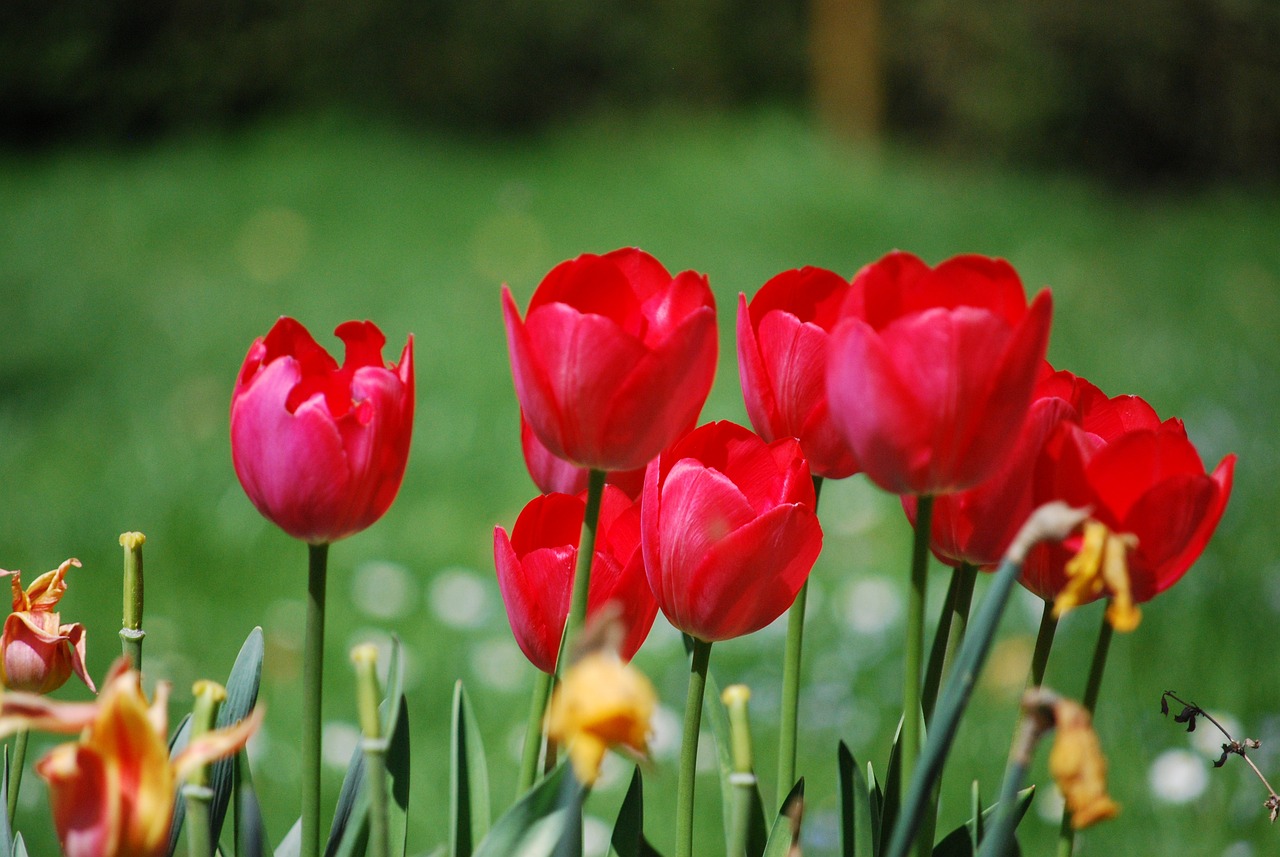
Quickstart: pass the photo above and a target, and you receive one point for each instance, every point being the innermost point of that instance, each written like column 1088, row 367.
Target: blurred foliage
column 1141, row 88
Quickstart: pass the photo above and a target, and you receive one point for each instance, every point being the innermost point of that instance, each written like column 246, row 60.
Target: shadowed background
column 177, row 175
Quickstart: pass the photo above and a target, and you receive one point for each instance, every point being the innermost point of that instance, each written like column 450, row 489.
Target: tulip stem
column 15, row 770
column 131, row 633
column 1067, row 833
column 949, row 634
column 689, row 747
column 312, row 686
column 533, row 732
column 582, row 574
column 910, row 746
column 790, row 713
column 1044, row 643
column 1036, row 719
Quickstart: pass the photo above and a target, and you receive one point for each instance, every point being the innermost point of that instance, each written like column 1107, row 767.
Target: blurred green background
column 176, row 176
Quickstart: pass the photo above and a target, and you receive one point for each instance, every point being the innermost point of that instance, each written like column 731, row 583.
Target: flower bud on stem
column 368, row 694
column 131, row 633
column 209, row 697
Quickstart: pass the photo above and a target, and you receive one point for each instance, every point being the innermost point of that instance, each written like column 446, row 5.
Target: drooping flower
column 321, row 448
column 536, row 566
column 1078, row 766
column 1153, row 505
column 601, row 703
column 37, row 652
column 614, row 358
column 112, row 791
column 783, row 338
column 728, row 529
column 931, row 370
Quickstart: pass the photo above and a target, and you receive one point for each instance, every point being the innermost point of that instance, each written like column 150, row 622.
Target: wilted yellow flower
column 1077, row 764
column 1101, row 568
column 601, row 703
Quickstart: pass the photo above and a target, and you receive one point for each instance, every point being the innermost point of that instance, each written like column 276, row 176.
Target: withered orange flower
column 37, row 652
column 601, row 703
column 1078, row 766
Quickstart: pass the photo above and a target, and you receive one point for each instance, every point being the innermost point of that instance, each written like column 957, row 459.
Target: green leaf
column 964, row 840
column 468, row 779
column 19, row 846
column 398, row 766
column 975, row 825
column 859, row 817
column 6, row 825
column 757, row 833
column 291, row 845
column 876, row 795
column 242, row 694
column 252, row 833
column 628, row 831
column 786, row 831
column 351, row 813
column 546, row 822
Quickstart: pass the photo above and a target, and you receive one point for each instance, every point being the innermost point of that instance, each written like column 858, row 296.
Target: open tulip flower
column 930, row 370
column 782, row 361
column 729, row 530
column 321, row 448
column 112, row 791
column 614, row 358
column 536, row 565
column 1153, row 505
column 37, row 652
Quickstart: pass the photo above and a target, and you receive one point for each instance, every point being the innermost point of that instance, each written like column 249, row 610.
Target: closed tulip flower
column 930, row 371
column 782, row 361
column 536, row 563
column 321, row 448
column 37, row 652
column 729, row 530
column 614, row 358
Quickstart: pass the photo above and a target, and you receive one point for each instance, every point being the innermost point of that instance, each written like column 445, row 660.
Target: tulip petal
column 84, row 799
column 217, row 744
column 1128, row 467
column 757, row 387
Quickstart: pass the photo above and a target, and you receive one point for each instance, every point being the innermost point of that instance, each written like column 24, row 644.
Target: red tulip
column 782, row 362
column 614, row 358
column 931, row 369
column 729, row 530
column 37, row 652
column 536, row 566
column 321, row 449
column 554, row 475
column 1143, row 480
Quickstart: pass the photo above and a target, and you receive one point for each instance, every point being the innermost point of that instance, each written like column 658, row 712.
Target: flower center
column 1101, row 568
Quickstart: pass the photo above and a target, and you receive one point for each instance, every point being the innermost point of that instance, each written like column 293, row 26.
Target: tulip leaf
column 242, row 695
column 468, row 779
column 628, row 832
column 975, row 825
column 350, row 831
column 251, row 833
column 6, row 824
column 965, row 839
column 757, row 833
column 786, row 827
column 19, row 846
column 859, row 818
column 291, row 845
column 546, row 822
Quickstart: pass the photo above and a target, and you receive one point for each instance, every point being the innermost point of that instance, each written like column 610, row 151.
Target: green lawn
column 133, row 282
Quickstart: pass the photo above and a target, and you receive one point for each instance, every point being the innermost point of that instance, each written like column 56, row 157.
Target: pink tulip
column 536, row 566
column 728, row 529
column 321, row 449
column 614, row 358
column 930, row 371
column 782, row 361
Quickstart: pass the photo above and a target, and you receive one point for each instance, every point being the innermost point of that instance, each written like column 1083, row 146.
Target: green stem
column 950, row 633
column 582, row 574
column 368, row 695
column 209, row 697
column 15, row 770
column 533, row 732
column 1067, row 833
column 910, row 746
column 131, row 633
column 1031, row 726
column 790, row 714
column 743, row 778
column 198, row 838
column 312, row 691
column 689, row 747
column 1044, row 643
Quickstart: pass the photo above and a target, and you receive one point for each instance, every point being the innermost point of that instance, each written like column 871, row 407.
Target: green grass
column 134, row 281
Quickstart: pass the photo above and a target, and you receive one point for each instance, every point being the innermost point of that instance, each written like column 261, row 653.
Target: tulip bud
column 38, row 653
